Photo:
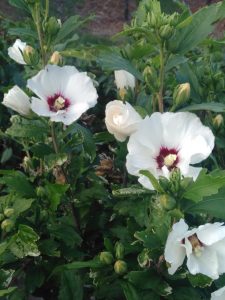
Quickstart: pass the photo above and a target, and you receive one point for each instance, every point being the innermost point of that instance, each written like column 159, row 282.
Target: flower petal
column 209, row 234
column 218, row 294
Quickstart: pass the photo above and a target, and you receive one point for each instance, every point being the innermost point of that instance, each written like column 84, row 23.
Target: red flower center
column 57, row 102
column 167, row 157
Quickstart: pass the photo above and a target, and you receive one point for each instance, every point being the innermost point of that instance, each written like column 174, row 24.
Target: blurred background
column 110, row 15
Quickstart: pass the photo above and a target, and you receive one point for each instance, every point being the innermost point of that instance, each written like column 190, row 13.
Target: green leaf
column 71, row 287
column 129, row 291
column 148, row 238
column 186, row 293
column 211, row 106
column 175, row 61
column 86, row 54
column 21, row 4
column 153, row 180
column 8, row 291
column 6, row 155
column 205, row 185
column 131, row 191
column 114, row 61
column 103, row 137
column 54, row 193
column 6, row 277
column 54, row 160
column 198, row 27
column 18, row 182
column 210, row 205
column 23, row 243
column 199, row 280
column 21, row 205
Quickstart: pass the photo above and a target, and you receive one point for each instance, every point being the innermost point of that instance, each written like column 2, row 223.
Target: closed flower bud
column 218, row 121
column 166, row 31
column 7, row 225
column 8, row 212
column 56, row 58
column 17, row 100
column 121, row 119
column 119, row 250
column 167, row 202
column 120, row 267
column 124, row 80
column 106, row 258
column 53, row 26
column 30, row 56
column 181, row 93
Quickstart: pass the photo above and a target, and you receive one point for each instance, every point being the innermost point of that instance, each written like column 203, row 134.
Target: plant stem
column 55, row 146
column 161, row 78
column 37, row 21
column 46, row 9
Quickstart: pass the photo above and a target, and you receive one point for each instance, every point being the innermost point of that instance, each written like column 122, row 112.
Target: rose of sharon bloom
column 64, row 93
column 219, row 294
column 15, row 52
column 124, row 79
column 121, row 119
column 204, row 247
column 167, row 141
column 17, row 100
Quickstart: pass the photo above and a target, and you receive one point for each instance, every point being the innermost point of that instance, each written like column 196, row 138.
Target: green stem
column 73, row 209
column 37, row 21
column 46, row 9
column 161, row 78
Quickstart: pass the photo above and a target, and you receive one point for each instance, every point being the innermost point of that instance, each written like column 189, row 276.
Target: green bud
column 120, row 267
column 119, row 250
column 56, row 58
column 7, row 225
column 167, row 202
column 166, row 31
column 52, row 26
column 218, row 121
column 144, row 259
column 8, row 212
column 176, row 213
column 106, row 258
column 30, row 55
column 152, row 20
column 181, row 94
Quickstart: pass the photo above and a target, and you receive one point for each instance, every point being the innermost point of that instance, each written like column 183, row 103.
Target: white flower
column 15, row 52
column 219, row 294
column 17, row 100
column 167, row 141
column 64, row 93
column 124, row 79
column 204, row 247
column 121, row 119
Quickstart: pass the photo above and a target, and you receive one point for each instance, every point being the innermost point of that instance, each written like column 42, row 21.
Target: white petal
column 206, row 263
column 174, row 251
column 219, row 248
column 15, row 52
column 17, row 100
column 209, row 234
column 124, row 79
column 40, row 107
column 219, row 294
column 190, row 171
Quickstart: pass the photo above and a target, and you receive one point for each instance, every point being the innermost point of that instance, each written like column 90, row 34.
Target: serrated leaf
column 210, row 205
column 114, row 61
column 153, row 180
column 54, row 160
column 54, row 193
column 205, row 185
column 199, row 280
column 129, row 291
column 71, row 287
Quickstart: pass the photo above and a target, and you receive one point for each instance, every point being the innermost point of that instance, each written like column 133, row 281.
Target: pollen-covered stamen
column 58, row 102
column 167, row 157
column 196, row 245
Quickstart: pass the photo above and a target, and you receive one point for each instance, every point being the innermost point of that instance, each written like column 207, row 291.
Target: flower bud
column 30, row 55
column 8, row 212
column 144, row 259
column 119, row 250
column 52, row 26
column 7, row 225
column 120, row 267
column 181, row 93
column 218, row 121
column 106, row 258
column 166, row 31
column 56, row 58
column 167, row 202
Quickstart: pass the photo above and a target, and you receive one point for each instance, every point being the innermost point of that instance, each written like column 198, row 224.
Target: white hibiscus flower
column 167, row 141
column 124, row 79
column 17, row 100
column 64, row 93
column 121, row 119
column 204, row 247
column 16, row 51
column 219, row 294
